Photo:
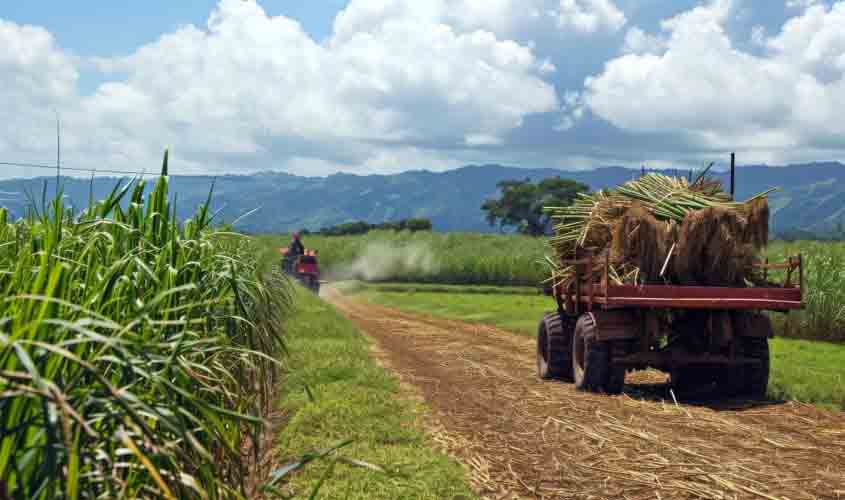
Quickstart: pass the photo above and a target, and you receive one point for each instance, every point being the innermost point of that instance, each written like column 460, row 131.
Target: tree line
column 363, row 227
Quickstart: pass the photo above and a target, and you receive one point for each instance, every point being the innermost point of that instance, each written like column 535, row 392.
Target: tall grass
column 493, row 259
column 135, row 353
column 824, row 290
column 458, row 258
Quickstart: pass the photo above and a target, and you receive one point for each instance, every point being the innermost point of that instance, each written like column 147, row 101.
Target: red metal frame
column 679, row 296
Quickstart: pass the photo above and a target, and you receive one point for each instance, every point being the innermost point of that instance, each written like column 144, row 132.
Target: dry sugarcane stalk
column 708, row 232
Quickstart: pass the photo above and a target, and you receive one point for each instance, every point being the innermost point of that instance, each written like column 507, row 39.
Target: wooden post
column 789, row 270
column 801, row 275
column 733, row 174
column 577, row 287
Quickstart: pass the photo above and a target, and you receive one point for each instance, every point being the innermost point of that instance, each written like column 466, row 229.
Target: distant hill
column 812, row 196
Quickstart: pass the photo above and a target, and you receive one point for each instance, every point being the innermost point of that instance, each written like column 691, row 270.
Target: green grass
column 136, row 354
column 807, row 371
column 511, row 260
column 354, row 398
column 435, row 288
column 824, row 290
column 519, row 313
column 428, row 257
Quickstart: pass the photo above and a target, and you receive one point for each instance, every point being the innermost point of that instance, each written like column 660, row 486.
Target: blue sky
column 237, row 86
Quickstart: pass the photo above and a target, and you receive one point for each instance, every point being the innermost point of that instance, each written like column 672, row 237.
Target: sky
column 384, row 86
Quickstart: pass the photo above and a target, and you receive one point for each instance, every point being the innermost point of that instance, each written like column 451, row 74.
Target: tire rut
column 521, row 437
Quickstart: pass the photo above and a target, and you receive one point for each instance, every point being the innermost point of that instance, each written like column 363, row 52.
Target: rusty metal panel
column 616, row 325
column 703, row 297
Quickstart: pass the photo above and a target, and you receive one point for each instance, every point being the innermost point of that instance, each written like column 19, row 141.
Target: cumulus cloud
column 704, row 86
column 36, row 77
column 638, row 41
column 589, row 16
column 394, row 76
column 572, row 111
column 800, row 4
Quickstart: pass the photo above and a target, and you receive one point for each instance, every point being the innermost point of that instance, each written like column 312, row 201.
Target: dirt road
column 525, row 438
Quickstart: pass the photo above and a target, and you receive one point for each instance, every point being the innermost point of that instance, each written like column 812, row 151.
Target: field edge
column 335, row 390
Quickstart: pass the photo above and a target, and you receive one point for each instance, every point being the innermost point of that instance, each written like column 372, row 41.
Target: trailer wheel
column 751, row 380
column 757, row 376
column 591, row 360
column 554, row 344
column 690, row 378
column 616, row 374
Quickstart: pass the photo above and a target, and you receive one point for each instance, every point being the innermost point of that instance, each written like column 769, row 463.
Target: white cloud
column 395, row 74
column 702, row 85
column 589, row 16
column 758, row 35
column 800, row 4
column 506, row 18
column 638, row 41
column 36, row 78
column 572, row 110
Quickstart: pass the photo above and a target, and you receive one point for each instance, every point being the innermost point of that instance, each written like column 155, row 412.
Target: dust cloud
column 381, row 261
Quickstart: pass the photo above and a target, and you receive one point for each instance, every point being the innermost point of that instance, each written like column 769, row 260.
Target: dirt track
column 525, row 438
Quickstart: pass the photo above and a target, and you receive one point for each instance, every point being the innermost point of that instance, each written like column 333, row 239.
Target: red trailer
column 699, row 334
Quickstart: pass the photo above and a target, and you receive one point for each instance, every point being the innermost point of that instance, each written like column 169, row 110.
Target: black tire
column 757, row 376
column 554, row 343
column 591, row 360
column 616, row 375
column 312, row 284
column 690, row 379
column 752, row 380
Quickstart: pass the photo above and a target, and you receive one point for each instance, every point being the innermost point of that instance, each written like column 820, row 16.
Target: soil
column 521, row 437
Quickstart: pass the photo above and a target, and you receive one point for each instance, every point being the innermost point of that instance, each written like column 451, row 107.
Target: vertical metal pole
column 589, row 280
column 733, row 174
column 58, row 151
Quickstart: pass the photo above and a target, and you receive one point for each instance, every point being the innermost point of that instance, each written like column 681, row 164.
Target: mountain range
column 811, row 196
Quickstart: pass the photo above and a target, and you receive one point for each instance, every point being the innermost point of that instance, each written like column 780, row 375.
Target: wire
column 93, row 170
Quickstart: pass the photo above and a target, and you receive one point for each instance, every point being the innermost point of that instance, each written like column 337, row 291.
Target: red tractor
column 303, row 268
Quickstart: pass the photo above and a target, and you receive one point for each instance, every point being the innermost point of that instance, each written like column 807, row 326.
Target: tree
column 521, row 203
column 418, row 224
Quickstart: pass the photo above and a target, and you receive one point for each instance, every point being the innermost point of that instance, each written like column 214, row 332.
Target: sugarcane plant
column 136, row 352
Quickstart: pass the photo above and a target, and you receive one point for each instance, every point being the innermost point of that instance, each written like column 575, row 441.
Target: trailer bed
column 692, row 297
column 589, row 290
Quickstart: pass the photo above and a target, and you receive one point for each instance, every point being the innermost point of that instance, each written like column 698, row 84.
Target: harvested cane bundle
column 663, row 229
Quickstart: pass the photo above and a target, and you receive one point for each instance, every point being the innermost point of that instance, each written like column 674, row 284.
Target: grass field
column 335, row 392
column 427, row 257
column 515, row 260
column 808, row 371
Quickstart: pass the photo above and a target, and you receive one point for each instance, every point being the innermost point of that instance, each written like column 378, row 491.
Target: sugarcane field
column 422, row 250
